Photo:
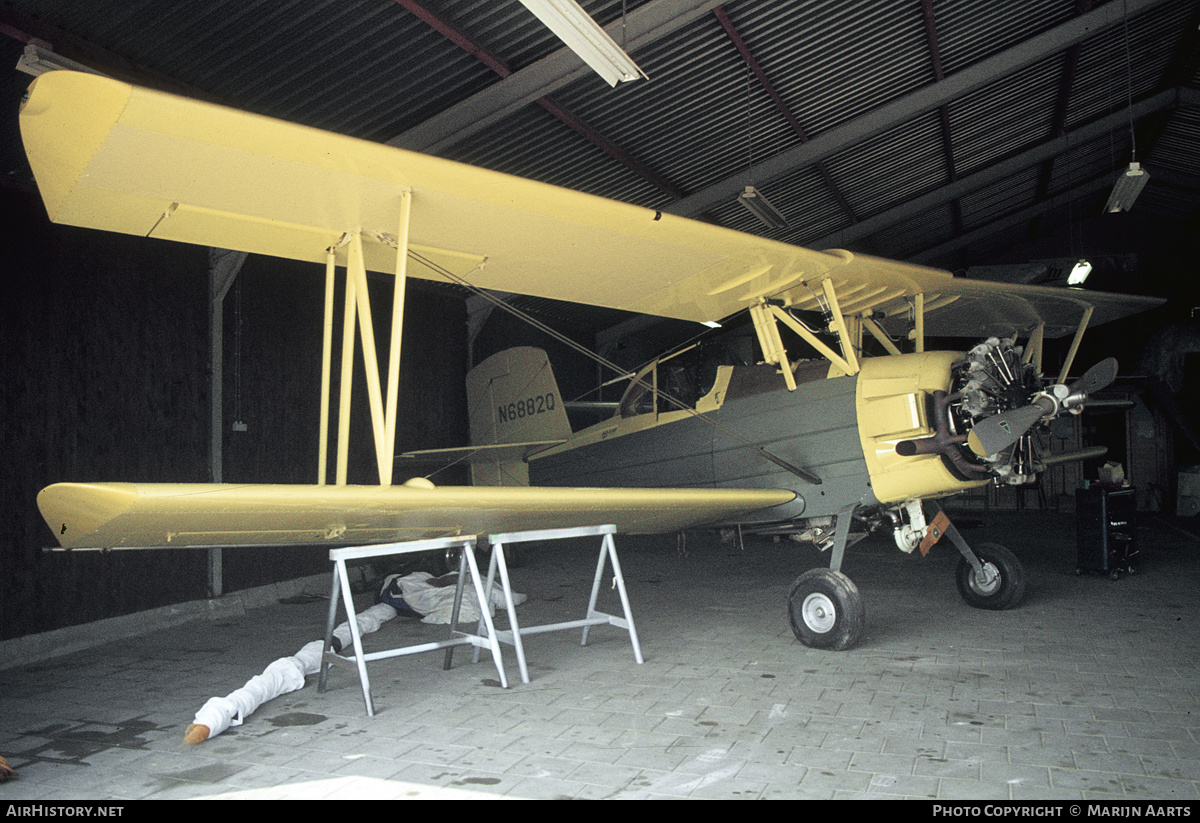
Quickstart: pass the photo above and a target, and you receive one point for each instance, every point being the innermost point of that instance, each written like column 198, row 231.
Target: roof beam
column 645, row 25
column 769, row 87
column 1012, row 221
column 915, row 104
column 935, row 56
column 1058, row 126
column 1163, row 101
column 497, row 65
column 28, row 30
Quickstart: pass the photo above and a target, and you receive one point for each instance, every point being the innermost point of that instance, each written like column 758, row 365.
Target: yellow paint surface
column 111, row 156
column 891, row 401
column 170, row 515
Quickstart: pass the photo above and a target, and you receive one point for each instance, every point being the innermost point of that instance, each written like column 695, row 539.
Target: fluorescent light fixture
column 761, row 207
column 1129, row 185
column 584, row 36
column 37, row 61
column 1079, row 273
column 712, row 324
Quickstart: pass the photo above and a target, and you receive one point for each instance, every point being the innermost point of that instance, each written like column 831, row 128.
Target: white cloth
column 284, row 675
column 436, row 603
column 368, row 621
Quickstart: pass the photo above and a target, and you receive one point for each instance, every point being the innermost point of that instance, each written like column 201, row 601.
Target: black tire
column 1004, row 592
column 826, row 610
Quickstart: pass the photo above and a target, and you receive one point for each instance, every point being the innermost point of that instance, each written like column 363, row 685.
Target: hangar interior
column 980, row 138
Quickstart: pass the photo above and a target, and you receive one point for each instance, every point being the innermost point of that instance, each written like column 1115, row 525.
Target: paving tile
column 1110, row 762
column 890, row 764
column 1175, row 768
column 952, row 703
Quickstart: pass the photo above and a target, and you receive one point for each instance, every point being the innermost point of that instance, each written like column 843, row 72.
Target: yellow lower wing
column 183, row 515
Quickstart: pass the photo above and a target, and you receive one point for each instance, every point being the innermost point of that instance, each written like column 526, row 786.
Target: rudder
column 512, row 397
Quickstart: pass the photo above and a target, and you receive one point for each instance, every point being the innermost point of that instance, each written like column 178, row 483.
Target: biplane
column 784, row 445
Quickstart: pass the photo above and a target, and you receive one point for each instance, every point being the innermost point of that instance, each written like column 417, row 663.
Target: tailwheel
column 826, row 610
column 1002, row 584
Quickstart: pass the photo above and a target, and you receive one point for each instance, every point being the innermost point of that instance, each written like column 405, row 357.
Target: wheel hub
column 818, row 612
column 987, row 583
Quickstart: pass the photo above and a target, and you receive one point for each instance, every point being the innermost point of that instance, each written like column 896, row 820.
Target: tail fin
column 512, row 397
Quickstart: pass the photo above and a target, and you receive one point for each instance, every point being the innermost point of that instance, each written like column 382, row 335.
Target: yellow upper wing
column 117, row 157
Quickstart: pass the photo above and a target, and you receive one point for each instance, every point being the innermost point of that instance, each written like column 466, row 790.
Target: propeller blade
column 1099, row 376
column 1000, row 431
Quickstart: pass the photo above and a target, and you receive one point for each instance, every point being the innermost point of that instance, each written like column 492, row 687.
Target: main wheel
column 826, row 610
column 1002, row 585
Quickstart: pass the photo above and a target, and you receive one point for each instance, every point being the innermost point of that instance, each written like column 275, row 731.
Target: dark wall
column 105, row 377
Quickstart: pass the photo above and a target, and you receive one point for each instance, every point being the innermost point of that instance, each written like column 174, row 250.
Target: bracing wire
column 603, row 361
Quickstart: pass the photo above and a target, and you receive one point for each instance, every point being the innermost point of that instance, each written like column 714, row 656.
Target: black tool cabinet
column 1106, row 523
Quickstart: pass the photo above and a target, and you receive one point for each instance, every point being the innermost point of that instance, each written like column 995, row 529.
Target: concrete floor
column 1089, row 691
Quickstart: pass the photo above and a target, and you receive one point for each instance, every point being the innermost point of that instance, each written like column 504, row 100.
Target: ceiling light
column 37, row 61
column 584, row 36
column 762, row 208
column 1079, row 273
column 1129, row 186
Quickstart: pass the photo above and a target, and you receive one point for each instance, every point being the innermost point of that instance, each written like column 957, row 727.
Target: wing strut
column 1033, row 348
column 770, row 342
column 870, row 325
column 382, row 397
column 829, row 354
column 1083, row 324
column 326, row 366
column 838, row 321
column 766, row 316
column 919, row 320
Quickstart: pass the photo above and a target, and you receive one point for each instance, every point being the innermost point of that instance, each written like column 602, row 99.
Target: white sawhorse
column 512, row 636
column 341, row 585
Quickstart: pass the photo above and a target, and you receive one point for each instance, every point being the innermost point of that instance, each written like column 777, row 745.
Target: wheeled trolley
column 1106, row 527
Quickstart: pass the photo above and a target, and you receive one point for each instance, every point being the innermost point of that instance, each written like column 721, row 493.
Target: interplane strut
column 382, row 397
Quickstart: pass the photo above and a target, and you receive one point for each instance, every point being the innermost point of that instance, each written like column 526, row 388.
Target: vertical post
column 398, row 294
column 839, row 323
column 919, row 311
column 216, row 453
column 382, row 399
column 326, row 369
column 223, row 268
column 345, row 381
column 771, row 343
column 854, row 326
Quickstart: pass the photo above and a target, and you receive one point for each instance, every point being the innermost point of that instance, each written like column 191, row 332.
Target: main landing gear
column 826, row 610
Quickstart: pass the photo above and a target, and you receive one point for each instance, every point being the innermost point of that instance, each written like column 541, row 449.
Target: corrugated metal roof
column 373, row 68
